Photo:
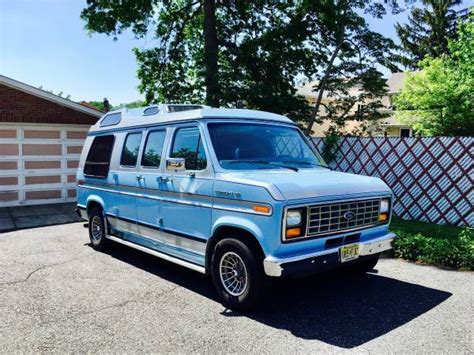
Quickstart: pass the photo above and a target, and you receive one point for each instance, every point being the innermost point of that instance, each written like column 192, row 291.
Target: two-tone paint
column 177, row 214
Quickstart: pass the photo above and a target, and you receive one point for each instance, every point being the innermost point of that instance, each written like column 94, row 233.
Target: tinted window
column 130, row 149
column 153, row 149
column 111, row 119
column 188, row 145
column 98, row 159
column 261, row 146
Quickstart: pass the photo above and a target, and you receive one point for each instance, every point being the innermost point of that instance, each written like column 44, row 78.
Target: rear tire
column 97, row 229
column 237, row 275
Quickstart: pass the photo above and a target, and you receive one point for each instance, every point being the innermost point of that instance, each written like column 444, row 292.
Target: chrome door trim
column 220, row 203
column 167, row 257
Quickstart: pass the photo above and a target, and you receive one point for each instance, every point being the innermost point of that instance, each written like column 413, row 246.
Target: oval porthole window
column 151, row 111
column 111, row 119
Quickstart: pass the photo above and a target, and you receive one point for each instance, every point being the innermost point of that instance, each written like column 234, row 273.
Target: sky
column 44, row 43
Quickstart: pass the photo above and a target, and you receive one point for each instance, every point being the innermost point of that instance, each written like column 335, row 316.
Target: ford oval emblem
column 349, row 215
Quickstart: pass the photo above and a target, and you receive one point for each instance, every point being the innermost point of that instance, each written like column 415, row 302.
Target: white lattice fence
column 431, row 178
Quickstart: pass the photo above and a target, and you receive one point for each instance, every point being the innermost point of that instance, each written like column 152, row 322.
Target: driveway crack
column 39, row 268
column 105, row 308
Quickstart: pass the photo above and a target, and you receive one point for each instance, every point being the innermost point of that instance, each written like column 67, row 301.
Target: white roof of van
column 138, row 117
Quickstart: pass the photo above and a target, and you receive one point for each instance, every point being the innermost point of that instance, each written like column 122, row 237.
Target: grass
column 429, row 243
column 398, row 226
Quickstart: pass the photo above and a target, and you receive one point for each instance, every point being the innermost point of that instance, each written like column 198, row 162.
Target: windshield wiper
column 307, row 163
column 261, row 162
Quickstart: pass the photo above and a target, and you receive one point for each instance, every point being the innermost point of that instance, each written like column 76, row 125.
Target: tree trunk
column 322, row 84
column 210, row 53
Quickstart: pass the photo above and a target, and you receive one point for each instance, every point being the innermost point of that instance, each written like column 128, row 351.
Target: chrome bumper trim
column 273, row 266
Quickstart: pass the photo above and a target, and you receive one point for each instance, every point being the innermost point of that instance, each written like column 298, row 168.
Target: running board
column 172, row 259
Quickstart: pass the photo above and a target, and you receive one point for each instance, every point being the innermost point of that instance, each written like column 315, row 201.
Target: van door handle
column 139, row 177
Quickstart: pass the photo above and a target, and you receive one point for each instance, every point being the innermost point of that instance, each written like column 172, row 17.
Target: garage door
column 38, row 163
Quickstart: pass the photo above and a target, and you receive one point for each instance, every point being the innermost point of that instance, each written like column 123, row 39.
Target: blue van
column 240, row 195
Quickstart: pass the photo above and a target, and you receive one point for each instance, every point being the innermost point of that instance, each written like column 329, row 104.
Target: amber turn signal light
column 261, row 209
column 293, row 232
column 383, row 217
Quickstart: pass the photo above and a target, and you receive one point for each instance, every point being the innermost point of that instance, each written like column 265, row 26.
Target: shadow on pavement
column 341, row 310
column 34, row 216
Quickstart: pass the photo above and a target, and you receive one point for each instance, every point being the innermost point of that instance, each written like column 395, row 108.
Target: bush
column 455, row 253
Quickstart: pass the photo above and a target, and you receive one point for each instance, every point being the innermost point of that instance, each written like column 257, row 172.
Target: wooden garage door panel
column 42, row 195
column 8, row 165
column 7, row 133
column 43, row 164
column 30, row 180
column 9, row 149
column 8, row 196
column 39, row 163
column 8, row 180
column 42, row 149
column 42, row 134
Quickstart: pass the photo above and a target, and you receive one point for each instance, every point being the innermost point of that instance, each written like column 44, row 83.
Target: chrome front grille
column 335, row 217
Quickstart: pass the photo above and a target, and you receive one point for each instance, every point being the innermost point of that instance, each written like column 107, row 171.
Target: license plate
column 349, row 252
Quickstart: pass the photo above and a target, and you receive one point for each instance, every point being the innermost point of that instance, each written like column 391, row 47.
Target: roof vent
column 111, row 119
column 179, row 108
column 153, row 110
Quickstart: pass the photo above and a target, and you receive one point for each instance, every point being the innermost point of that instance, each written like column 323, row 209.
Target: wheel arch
column 94, row 201
column 225, row 231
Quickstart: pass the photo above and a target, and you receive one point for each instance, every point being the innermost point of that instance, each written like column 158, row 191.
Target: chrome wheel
column 233, row 273
column 96, row 229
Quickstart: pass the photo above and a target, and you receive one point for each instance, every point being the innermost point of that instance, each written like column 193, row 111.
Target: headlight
column 384, row 210
column 384, row 205
column 293, row 218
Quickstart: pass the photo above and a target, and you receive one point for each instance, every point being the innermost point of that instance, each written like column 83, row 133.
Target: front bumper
column 322, row 260
column 81, row 212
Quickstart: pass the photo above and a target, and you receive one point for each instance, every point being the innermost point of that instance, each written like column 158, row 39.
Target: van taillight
column 80, row 182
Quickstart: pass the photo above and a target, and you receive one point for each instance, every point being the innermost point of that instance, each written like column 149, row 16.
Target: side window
column 130, row 149
column 187, row 144
column 98, row 159
column 153, row 149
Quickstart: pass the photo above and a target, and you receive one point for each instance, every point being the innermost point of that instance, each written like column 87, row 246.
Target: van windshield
column 245, row 146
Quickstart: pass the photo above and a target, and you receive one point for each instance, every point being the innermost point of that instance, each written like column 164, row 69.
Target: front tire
column 97, row 230
column 237, row 275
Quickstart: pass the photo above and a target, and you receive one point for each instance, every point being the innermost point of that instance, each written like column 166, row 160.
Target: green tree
column 438, row 100
column 261, row 48
column 245, row 53
column 428, row 30
column 98, row 104
column 350, row 51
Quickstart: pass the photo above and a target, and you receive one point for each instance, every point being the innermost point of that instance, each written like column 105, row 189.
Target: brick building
column 41, row 137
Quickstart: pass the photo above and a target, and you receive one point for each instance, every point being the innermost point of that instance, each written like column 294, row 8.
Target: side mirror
column 177, row 164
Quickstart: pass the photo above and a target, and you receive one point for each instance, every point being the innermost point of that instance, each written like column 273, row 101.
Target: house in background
column 41, row 138
column 388, row 125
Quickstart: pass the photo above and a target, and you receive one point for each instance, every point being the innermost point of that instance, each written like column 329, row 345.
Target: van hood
column 308, row 183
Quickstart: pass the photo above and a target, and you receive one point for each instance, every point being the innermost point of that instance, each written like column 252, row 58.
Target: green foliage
column 98, row 104
column 350, row 55
column 331, row 151
column 263, row 46
column 428, row 243
column 428, row 30
column 438, row 100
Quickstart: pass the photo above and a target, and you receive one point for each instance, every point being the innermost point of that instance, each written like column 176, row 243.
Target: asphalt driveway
column 58, row 294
